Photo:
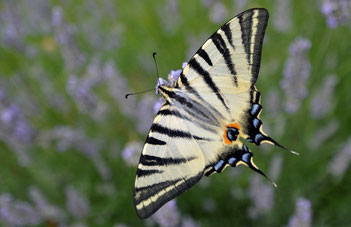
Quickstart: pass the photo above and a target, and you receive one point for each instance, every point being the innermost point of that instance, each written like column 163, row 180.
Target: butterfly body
column 206, row 115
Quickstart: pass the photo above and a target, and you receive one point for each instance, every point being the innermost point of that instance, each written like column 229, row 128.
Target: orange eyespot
column 225, row 135
column 233, row 125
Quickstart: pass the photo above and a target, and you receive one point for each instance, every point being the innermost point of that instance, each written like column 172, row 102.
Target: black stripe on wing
column 190, row 89
column 247, row 31
column 198, row 122
column 228, row 34
column 149, row 160
column 261, row 29
column 192, row 107
column 154, row 141
column 174, row 132
column 245, row 22
column 202, row 53
column 223, row 49
column 147, row 172
column 145, row 193
column 207, row 78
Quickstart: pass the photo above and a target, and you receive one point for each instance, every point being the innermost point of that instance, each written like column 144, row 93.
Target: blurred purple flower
column 337, row 12
column 118, row 88
column 17, row 213
column 218, row 12
column 69, row 138
column 46, row 211
column 302, row 216
column 240, row 5
column 262, row 195
column 145, row 113
column 282, row 15
column 131, row 153
column 158, row 105
column 323, row 133
column 341, row 161
column 262, row 191
column 168, row 215
column 76, row 203
column 64, row 35
column 92, row 26
column 173, row 76
column 170, row 16
column 11, row 33
column 272, row 102
column 81, row 90
column 275, row 167
column 296, row 72
column 188, row 221
column 322, row 101
column 15, row 129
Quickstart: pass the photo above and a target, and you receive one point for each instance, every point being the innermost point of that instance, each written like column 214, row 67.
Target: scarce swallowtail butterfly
column 205, row 115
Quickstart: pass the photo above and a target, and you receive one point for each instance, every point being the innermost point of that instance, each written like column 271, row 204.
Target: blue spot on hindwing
column 232, row 161
column 255, row 109
column 246, row 157
column 257, row 123
column 219, row 166
column 258, row 138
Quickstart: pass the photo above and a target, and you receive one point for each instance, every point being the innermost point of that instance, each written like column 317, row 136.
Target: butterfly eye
column 232, row 134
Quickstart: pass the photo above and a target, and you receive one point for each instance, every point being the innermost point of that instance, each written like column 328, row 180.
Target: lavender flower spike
column 302, row 216
column 296, row 72
column 337, row 12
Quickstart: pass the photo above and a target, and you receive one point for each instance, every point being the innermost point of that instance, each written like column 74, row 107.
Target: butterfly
column 206, row 114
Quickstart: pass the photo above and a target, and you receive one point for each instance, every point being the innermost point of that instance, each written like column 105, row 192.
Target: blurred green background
column 70, row 142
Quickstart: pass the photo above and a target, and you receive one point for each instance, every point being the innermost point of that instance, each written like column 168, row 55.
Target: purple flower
column 302, row 216
column 188, row 221
column 170, row 16
column 341, row 160
column 240, row 5
column 158, row 105
column 322, row 101
column 168, row 215
column 261, row 193
column 173, row 76
column 218, row 12
column 64, row 36
column 76, row 203
column 67, row 138
column 17, row 213
column 131, row 153
column 275, row 166
column 282, row 15
column 323, row 133
column 15, row 129
column 337, row 12
column 272, row 102
column 46, row 210
column 296, row 72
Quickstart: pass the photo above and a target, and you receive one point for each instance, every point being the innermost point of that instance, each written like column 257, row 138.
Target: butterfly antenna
column 138, row 93
column 154, row 57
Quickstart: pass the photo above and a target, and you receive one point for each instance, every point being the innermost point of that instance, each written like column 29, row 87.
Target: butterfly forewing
column 214, row 102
